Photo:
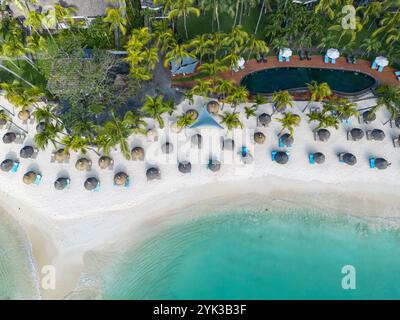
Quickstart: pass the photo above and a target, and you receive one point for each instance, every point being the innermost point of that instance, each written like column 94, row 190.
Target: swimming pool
column 270, row 80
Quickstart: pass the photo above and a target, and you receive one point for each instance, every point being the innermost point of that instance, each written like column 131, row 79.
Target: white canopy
column 382, row 61
column 285, row 52
column 333, row 53
column 241, row 62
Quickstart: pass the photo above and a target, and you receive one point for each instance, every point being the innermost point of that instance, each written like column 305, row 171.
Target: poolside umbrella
column 319, row 157
column 105, row 162
column 285, row 52
column 61, row 183
column 214, row 165
column 7, row 165
column 24, row 115
column 153, row 173
column 9, row 137
column 228, row 144
column 91, row 183
column 29, row 177
column 259, row 137
column 381, row 163
column 357, row 133
column 196, row 140
column 382, row 61
column 120, row 178
column 167, row 147
column 378, row 134
column 137, row 153
column 350, row 159
column 369, row 116
column 83, row 164
column 152, row 134
column 264, row 119
column 213, row 106
column 287, row 139
column 192, row 114
column 185, row 167
column 27, row 152
column 61, row 155
column 333, row 53
column 281, row 157
column 40, row 127
column 323, row 134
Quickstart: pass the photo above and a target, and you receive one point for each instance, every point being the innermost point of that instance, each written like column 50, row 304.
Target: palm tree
column 388, row 97
column 50, row 133
column 155, row 108
column 281, row 100
column 20, row 96
column 289, row 121
column 213, row 69
column 343, row 108
column 250, row 111
column 259, row 99
column 239, row 95
column 183, row 8
column 224, row 87
column 201, row 46
column 46, row 114
column 324, row 120
column 75, row 143
column 202, row 88
column 370, row 45
column 231, row 120
column 177, row 54
column 318, row 92
column 184, row 120
column 117, row 20
column 256, row 46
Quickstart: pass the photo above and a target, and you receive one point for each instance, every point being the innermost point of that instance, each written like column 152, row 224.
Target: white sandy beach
column 64, row 225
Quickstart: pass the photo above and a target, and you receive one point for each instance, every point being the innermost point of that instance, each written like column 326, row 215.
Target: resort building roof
column 205, row 120
column 185, row 65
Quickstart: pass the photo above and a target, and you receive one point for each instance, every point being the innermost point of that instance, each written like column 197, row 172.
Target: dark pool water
column 276, row 79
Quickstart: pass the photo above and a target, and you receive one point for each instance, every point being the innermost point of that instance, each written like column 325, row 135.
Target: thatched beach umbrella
column 9, row 137
column 264, row 119
column 357, row 134
column 214, row 165
column 61, row 183
column 27, row 152
column 196, row 140
column 319, row 157
column 83, row 164
column 377, row 134
column 213, row 107
column 368, row 116
column 281, row 157
column 153, row 174
column 61, row 155
column 259, row 137
column 185, row 167
column 91, row 183
column 29, row 177
column 228, row 144
column 323, row 135
column 137, row 153
column 167, row 148
column 192, row 114
column 121, row 178
column 381, row 163
column 7, row 165
column 24, row 115
column 152, row 134
column 287, row 139
column 350, row 159
column 40, row 127
column 105, row 161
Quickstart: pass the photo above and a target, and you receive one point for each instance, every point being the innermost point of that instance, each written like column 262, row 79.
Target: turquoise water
column 276, row 79
column 259, row 255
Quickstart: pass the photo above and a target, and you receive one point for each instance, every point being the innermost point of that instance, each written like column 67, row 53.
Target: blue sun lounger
column 127, row 183
column 326, row 59
column 15, row 167
column 97, row 189
column 311, row 158
column 397, row 73
column 287, row 59
column 280, row 58
column 38, row 179
column 372, row 163
column 68, row 183
column 244, row 152
column 273, row 154
column 380, row 69
column 334, row 61
column 374, row 65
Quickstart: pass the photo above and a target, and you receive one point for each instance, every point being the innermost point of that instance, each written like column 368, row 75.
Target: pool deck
column 387, row 76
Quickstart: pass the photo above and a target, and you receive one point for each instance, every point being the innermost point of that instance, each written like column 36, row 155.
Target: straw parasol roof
column 228, row 144
column 259, row 137
column 83, row 164
column 319, row 157
column 61, row 155
column 213, row 106
column 281, row 157
column 152, row 134
column 40, row 127
column 27, row 152
column 120, row 178
column 61, row 183
column 381, row 163
column 323, row 134
column 167, row 147
column 185, row 167
column 29, row 177
column 368, row 116
column 214, row 165
column 350, row 159
column 357, row 134
column 196, row 140
column 91, row 183
column 24, row 115
column 378, row 134
column 7, row 165
column 9, row 137
column 153, row 173
column 105, row 162
column 264, row 119
column 287, row 139
column 192, row 113
column 137, row 153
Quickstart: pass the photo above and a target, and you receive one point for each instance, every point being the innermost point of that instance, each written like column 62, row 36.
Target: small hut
column 137, row 153
column 196, row 140
column 105, row 162
column 61, row 183
column 214, row 165
column 213, row 107
column 9, row 137
column 228, row 144
column 29, row 177
column 7, row 165
column 121, row 179
column 83, row 164
column 264, row 119
column 153, row 174
column 323, row 135
column 185, row 167
column 91, row 183
column 356, row 134
column 27, row 152
column 167, row 148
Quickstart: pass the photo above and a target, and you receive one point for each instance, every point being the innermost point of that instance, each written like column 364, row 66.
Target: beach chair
column 15, row 167
column 334, row 61
column 20, row 138
column 372, row 163
column 68, row 184
column 287, row 59
column 308, row 55
column 340, row 155
column 374, row 65
column 326, row 59
column 311, row 158
column 127, row 183
column 244, row 151
column 315, row 109
column 398, row 78
column 397, row 73
column 396, row 143
column 38, row 179
column 346, row 121
column 380, row 69
column 97, row 189
column 368, row 135
column 280, row 58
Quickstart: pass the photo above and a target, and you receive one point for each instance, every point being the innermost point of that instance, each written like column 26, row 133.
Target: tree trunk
column 259, row 17
column 184, row 22
column 217, row 17
column 236, row 13
column 116, row 37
